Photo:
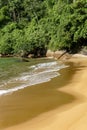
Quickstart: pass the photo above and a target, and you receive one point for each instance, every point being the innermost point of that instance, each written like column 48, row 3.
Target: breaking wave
column 39, row 73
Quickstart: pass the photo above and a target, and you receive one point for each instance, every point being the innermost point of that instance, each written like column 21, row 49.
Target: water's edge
column 39, row 73
column 29, row 102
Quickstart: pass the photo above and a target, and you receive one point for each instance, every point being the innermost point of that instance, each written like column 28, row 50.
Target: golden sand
column 72, row 116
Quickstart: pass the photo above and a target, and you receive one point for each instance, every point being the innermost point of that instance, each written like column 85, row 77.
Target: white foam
column 11, row 90
column 40, row 73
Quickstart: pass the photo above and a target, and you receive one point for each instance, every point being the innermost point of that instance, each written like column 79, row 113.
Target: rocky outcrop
column 84, row 51
column 0, row 55
column 58, row 54
column 30, row 56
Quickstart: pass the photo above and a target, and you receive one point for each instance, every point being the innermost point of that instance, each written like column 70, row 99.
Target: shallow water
column 16, row 76
column 19, row 101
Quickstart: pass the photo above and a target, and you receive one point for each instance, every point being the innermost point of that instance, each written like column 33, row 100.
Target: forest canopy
column 33, row 26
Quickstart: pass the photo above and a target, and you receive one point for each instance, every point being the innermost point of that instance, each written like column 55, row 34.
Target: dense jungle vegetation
column 33, row 26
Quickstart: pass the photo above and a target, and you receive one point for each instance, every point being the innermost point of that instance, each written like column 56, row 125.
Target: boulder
column 31, row 56
column 58, row 54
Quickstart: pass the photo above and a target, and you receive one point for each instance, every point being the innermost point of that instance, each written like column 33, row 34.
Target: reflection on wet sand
column 32, row 101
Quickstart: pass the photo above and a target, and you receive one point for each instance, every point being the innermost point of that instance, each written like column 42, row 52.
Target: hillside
column 33, row 26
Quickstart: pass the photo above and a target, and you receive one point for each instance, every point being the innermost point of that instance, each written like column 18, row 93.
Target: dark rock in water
column 25, row 60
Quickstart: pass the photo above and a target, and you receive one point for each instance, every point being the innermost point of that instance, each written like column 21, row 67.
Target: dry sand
column 68, row 117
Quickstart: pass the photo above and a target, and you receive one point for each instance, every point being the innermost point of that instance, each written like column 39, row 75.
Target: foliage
column 33, row 26
column 71, row 31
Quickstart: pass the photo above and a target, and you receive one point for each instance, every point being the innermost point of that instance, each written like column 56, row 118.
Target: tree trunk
column 14, row 15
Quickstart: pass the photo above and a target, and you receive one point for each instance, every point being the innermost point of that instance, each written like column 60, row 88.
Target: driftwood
column 62, row 55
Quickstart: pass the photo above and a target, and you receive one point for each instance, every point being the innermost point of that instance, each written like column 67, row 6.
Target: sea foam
column 39, row 73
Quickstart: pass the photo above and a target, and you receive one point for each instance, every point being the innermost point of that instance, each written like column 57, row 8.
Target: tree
column 31, row 26
column 71, row 31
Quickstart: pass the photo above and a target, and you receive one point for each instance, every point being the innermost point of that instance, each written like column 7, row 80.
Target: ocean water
column 28, row 89
column 16, row 75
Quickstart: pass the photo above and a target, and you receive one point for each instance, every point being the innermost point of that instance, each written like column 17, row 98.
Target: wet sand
column 60, row 104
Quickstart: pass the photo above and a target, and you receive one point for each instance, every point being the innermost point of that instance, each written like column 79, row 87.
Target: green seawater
column 27, row 103
column 12, row 67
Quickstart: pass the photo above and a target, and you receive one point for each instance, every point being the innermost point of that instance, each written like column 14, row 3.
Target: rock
column 50, row 53
column 25, row 60
column 84, row 51
column 31, row 56
column 58, row 54
column 0, row 55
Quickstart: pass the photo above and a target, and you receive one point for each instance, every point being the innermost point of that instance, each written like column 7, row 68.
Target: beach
column 69, row 116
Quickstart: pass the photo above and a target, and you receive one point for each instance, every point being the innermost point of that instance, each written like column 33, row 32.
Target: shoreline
column 28, row 103
column 69, row 116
